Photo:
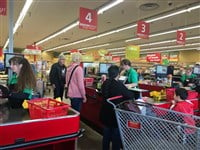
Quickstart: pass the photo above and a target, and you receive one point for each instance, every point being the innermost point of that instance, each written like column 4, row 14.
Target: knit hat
column 61, row 56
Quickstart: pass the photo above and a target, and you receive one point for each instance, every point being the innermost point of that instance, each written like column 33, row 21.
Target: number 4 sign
column 88, row 19
column 143, row 30
column 180, row 37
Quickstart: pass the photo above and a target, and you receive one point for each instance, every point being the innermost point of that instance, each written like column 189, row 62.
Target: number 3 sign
column 143, row 30
column 88, row 19
column 180, row 37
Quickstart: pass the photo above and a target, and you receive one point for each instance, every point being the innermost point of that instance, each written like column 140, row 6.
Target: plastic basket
column 46, row 108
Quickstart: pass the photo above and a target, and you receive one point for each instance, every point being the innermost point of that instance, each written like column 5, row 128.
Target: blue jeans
column 111, row 135
column 76, row 103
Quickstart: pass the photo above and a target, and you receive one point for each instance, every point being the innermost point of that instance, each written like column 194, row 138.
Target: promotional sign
column 132, row 52
column 88, row 19
column 143, row 29
column 173, row 56
column 116, row 58
column 180, row 37
column 32, row 50
column 154, row 57
column 3, row 7
column 74, row 51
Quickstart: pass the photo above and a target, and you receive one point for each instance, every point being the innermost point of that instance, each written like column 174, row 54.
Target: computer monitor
column 196, row 70
column 161, row 71
column 86, row 65
column 7, row 57
column 103, row 67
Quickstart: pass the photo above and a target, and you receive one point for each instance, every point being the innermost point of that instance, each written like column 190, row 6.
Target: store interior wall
column 191, row 56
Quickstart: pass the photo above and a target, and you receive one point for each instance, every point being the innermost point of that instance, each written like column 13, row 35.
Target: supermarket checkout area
column 90, row 110
column 19, row 131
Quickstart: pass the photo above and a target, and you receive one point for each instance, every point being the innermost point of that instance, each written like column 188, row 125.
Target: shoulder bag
column 67, row 88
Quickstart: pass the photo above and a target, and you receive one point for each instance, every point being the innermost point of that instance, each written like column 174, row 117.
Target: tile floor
column 91, row 140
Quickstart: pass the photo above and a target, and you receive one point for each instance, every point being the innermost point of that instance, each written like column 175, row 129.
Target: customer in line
column 111, row 88
column 76, row 89
column 57, row 76
column 131, row 73
column 22, row 83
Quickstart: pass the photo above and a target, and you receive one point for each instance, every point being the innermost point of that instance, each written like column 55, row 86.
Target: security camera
column 170, row 3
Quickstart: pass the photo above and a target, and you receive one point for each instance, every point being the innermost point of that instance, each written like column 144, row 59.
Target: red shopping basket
column 46, row 108
column 170, row 94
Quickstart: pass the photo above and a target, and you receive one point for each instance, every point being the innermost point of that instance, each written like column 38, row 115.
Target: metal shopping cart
column 146, row 127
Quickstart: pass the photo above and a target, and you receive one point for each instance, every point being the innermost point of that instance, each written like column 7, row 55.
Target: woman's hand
column 84, row 99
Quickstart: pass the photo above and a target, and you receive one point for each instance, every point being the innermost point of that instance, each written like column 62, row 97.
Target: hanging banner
column 154, row 57
column 88, row 19
column 1, row 52
column 74, row 51
column 132, row 52
column 180, row 37
column 143, row 29
column 116, row 58
column 3, row 7
column 173, row 56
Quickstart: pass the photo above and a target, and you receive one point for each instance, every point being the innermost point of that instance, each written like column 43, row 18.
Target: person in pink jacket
column 76, row 88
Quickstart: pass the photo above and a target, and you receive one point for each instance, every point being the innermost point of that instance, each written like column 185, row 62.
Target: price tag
column 180, row 37
column 143, row 29
column 88, row 19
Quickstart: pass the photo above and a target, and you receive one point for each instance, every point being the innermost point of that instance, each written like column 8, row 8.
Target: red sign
column 88, row 19
column 33, row 47
column 1, row 52
column 180, row 37
column 134, row 125
column 155, row 57
column 3, row 7
column 143, row 29
column 74, row 51
column 116, row 58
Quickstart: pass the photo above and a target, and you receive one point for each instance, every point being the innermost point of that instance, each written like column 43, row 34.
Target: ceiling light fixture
column 20, row 18
column 100, row 11
column 132, row 26
column 167, row 32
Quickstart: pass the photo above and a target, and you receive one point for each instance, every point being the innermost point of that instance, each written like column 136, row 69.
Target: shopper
column 181, row 104
column 57, row 76
column 187, row 77
column 76, row 89
column 111, row 88
column 131, row 73
column 22, row 83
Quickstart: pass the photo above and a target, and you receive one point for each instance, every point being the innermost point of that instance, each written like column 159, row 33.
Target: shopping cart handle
column 113, row 98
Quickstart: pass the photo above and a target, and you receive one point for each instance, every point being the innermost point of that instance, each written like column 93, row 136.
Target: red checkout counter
column 90, row 110
column 19, row 132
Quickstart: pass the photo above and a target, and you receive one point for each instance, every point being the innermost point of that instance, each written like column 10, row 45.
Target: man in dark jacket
column 111, row 88
column 57, row 76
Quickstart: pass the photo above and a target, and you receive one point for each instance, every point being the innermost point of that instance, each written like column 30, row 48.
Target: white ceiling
column 46, row 17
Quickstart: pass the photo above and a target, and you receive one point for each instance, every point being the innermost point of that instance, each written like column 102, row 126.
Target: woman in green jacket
column 22, row 83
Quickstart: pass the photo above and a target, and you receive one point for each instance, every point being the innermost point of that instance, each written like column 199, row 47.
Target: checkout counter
column 90, row 110
column 18, row 131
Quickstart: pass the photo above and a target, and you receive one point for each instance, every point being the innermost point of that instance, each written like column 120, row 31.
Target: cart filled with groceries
column 144, row 126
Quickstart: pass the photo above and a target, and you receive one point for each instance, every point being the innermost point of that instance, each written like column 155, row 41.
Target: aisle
column 91, row 140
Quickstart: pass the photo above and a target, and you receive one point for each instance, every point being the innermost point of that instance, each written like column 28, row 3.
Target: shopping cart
column 146, row 127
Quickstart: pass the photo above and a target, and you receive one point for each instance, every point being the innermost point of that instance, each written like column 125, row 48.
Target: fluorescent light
column 20, row 18
column 183, row 49
column 58, row 33
column 105, row 8
column 135, row 25
column 166, row 32
column 95, row 46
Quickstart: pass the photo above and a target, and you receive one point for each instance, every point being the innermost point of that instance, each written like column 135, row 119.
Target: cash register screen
column 196, row 70
column 103, row 67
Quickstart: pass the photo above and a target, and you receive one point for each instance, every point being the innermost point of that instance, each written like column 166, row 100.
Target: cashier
column 187, row 77
column 21, row 83
column 130, row 73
